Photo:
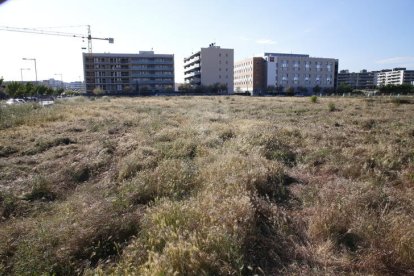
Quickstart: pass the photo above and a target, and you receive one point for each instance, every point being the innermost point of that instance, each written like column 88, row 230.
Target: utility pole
column 21, row 72
column 34, row 65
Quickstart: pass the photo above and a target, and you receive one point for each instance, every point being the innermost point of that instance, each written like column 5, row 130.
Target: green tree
column 41, row 90
column 316, row 89
column 58, row 91
column 97, row 91
column 223, row 88
column 185, row 88
column 15, row 89
column 328, row 90
column 271, row 89
column 344, row 88
column 301, row 90
column 29, row 89
column 290, row 91
column 279, row 89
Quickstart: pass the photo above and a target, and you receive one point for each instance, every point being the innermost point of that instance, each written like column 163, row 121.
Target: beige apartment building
column 296, row 70
column 250, row 75
column 210, row 66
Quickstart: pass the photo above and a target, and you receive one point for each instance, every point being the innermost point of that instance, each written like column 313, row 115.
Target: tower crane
column 89, row 36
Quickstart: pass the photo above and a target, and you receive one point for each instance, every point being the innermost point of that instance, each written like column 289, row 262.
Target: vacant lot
column 208, row 185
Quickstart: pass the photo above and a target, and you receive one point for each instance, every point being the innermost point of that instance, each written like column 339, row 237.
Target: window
column 318, row 66
column 329, row 67
column 296, row 79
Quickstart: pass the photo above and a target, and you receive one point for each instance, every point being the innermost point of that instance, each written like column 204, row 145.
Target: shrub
column 331, row 107
column 314, row 99
column 173, row 178
column 41, row 190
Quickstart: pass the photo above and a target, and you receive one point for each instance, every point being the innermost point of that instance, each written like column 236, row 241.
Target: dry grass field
column 208, row 186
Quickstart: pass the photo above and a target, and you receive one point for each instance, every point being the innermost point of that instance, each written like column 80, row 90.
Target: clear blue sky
column 362, row 34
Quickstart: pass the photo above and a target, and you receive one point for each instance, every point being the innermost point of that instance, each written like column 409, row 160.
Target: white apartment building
column 210, row 66
column 296, row 70
column 396, row 76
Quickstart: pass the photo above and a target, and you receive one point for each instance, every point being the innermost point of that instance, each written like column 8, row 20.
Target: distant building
column 118, row 73
column 55, row 84
column 250, row 75
column 210, row 66
column 297, row 70
column 75, row 86
column 396, row 76
column 361, row 80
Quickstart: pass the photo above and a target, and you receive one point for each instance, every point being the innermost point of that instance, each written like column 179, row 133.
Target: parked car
column 15, row 101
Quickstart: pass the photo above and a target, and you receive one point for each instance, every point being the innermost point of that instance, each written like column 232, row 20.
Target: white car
column 15, row 101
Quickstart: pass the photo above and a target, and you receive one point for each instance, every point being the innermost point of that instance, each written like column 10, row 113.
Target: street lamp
column 34, row 65
column 21, row 72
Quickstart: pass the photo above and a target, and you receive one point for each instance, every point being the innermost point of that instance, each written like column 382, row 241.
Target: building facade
column 128, row 73
column 396, row 76
column 361, row 80
column 250, row 75
column 209, row 66
column 296, row 70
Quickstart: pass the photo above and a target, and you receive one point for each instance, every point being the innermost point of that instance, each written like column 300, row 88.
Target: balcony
column 195, row 56
column 192, row 74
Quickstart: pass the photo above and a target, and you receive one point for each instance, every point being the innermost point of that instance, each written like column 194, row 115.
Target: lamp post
column 34, row 65
column 21, row 72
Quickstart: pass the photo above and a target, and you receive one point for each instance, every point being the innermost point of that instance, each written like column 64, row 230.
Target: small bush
column 173, row 178
column 41, row 190
column 141, row 159
column 331, row 107
column 8, row 205
column 80, row 174
column 6, row 151
column 314, row 99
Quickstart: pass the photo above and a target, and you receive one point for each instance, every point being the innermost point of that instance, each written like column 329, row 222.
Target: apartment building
column 297, row 70
column 128, row 73
column 361, row 80
column 396, row 76
column 210, row 66
column 250, row 75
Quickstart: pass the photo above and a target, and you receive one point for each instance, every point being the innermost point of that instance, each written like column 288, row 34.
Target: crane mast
column 89, row 36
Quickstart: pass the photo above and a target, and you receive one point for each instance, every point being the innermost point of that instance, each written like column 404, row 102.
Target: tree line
column 16, row 89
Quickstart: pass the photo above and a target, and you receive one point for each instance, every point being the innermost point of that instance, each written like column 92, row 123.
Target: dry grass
column 207, row 186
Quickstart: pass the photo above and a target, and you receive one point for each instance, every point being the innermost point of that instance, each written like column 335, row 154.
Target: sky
column 362, row 34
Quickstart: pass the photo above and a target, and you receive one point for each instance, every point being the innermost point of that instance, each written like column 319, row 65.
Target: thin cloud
column 244, row 38
column 396, row 60
column 266, row 41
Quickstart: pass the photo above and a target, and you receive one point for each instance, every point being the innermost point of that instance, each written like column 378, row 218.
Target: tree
column 316, row 89
column 344, row 88
column 97, row 91
column 223, row 88
column 14, row 89
column 41, row 90
column 185, row 88
column 328, row 90
column 271, row 89
column 290, row 91
column 302, row 90
column 279, row 89
column 29, row 89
